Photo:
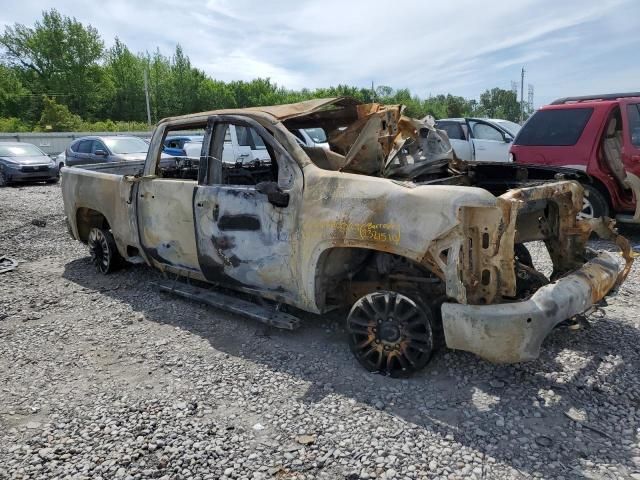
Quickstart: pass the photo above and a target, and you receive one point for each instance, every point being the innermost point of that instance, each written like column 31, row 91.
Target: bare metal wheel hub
column 587, row 210
column 390, row 333
column 99, row 250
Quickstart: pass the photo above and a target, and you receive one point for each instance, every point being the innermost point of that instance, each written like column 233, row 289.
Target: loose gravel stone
column 105, row 377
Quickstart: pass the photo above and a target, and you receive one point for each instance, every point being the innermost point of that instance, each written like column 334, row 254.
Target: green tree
column 57, row 56
column 499, row 103
column 65, row 60
column 14, row 96
column 13, row 124
column 125, row 72
column 58, row 118
column 214, row 95
column 160, row 85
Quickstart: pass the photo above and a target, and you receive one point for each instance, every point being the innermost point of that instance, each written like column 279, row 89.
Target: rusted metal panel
column 105, row 193
column 463, row 236
column 165, row 221
column 513, row 332
column 232, row 250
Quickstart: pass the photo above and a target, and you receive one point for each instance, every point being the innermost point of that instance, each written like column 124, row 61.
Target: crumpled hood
column 31, row 160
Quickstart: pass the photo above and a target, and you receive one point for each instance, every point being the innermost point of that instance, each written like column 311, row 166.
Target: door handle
column 244, row 155
column 216, row 213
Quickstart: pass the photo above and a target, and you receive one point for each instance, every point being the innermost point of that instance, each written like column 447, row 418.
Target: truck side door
column 246, row 217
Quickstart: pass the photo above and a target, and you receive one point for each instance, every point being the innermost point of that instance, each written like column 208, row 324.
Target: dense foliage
column 57, row 75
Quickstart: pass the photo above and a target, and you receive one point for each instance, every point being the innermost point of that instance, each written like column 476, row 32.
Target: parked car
column 312, row 137
column 433, row 258
column 479, row 139
column 598, row 134
column 511, row 127
column 24, row 162
column 61, row 159
column 105, row 149
column 241, row 145
column 175, row 145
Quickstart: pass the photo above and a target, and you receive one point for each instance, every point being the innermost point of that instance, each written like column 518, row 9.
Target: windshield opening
column 26, row 150
column 554, row 127
column 512, row 127
column 126, row 145
column 633, row 112
column 248, row 137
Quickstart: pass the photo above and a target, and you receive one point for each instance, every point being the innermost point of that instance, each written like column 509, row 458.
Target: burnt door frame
column 243, row 237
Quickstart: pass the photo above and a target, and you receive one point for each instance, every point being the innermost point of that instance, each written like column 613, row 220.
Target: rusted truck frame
column 417, row 257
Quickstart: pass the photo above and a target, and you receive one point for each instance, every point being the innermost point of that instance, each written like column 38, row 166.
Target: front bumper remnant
column 514, row 332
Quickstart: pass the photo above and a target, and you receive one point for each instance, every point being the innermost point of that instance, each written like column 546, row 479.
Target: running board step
column 231, row 304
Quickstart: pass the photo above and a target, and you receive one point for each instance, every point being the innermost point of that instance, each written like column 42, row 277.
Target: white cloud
column 460, row 47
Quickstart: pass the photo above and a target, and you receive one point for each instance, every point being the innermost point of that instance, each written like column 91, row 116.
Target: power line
column 46, row 94
column 522, row 96
column 146, row 95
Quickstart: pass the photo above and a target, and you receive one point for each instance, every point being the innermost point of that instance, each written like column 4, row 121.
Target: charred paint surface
column 239, row 222
column 463, row 237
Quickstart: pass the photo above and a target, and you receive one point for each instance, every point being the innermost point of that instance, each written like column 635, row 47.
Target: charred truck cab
column 416, row 246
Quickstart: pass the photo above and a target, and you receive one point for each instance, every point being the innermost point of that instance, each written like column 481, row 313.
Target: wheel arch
column 88, row 218
column 339, row 263
column 602, row 189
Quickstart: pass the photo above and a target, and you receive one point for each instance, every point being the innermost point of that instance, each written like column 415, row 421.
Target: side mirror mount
column 508, row 138
column 100, row 153
column 274, row 194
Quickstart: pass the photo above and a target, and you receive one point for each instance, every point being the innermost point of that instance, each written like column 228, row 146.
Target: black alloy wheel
column 103, row 251
column 390, row 333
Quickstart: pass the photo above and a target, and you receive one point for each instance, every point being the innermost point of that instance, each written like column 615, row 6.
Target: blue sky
column 568, row 47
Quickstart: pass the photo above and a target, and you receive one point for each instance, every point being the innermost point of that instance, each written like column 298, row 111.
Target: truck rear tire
column 594, row 204
column 104, row 253
column 391, row 333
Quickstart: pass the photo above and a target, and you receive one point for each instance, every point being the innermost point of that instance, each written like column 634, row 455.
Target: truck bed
column 115, row 168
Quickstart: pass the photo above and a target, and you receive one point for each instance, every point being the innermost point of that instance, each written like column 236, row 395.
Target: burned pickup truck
column 417, row 247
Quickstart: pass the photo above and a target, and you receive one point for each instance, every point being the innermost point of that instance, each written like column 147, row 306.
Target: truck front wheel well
column 345, row 274
column 86, row 219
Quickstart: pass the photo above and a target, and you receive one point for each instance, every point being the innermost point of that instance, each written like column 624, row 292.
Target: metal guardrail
column 53, row 143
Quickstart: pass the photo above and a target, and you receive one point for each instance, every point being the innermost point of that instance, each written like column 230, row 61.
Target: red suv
column 598, row 134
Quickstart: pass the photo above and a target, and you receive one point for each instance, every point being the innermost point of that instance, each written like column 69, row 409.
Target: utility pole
column 522, row 97
column 146, row 94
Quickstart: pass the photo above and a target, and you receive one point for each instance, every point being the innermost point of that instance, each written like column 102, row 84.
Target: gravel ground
column 105, row 377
